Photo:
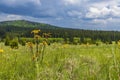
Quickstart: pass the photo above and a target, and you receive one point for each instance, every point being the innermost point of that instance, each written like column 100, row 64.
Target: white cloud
column 12, row 16
column 104, row 9
column 108, row 23
column 6, row 17
column 74, row 13
column 98, row 13
column 94, row 12
column 115, row 11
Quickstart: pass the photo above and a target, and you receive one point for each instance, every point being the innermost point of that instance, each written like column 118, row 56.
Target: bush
column 14, row 44
column 22, row 42
column 76, row 41
column 7, row 43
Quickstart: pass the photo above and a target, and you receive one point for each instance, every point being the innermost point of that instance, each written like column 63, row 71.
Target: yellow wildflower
column 35, row 31
column 44, row 43
column 29, row 44
column 46, row 35
column 36, row 36
column 118, row 43
column 1, row 50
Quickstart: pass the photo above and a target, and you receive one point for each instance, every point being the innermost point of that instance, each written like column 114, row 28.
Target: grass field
column 62, row 62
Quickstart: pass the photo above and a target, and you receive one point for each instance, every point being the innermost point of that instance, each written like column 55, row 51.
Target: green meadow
column 61, row 62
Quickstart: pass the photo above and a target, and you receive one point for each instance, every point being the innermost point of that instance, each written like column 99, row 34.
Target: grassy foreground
column 62, row 62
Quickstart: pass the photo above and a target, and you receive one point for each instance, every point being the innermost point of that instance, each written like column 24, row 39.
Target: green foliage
column 7, row 41
column 76, row 41
column 14, row 44
column 98, row 42
column 23, row 28
column 71, row 39
column 53, row 40
column 62, row 62
column 65, row 37
column 27, row 24
column 82, row 39
column 22, row 42
column 87, row 40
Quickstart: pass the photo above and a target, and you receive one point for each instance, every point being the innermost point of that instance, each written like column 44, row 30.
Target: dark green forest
column 23, row 28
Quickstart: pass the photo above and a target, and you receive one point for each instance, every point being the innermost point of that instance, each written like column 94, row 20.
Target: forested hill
column 23, row 28
column 27, row 24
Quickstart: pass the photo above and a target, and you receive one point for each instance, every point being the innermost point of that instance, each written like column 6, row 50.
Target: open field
column 62, row 62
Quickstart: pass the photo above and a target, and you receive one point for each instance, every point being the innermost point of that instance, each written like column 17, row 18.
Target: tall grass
column 61, row 62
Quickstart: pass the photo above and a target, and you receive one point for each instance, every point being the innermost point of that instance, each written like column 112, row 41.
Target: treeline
column 66, row 34
column 23, row 29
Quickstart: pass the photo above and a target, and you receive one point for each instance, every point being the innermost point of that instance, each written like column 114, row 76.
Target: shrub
column 22, row 42
column 76, row 41
column 7, row 42
column 14, row 44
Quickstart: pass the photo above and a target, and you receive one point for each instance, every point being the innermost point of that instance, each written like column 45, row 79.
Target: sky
column 81, row 14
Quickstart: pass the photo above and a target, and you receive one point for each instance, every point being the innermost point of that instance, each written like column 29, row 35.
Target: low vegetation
column 58, row 54
column 61, row 62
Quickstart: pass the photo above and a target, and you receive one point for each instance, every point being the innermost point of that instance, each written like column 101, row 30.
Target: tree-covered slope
column 27, row 24
column 23, row 28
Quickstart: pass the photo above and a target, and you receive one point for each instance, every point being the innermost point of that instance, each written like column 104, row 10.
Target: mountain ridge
column 26, row 23
column 33, row 24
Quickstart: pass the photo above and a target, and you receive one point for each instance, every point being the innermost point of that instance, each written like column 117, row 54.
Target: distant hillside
column 27, row 24
column 23, row 28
